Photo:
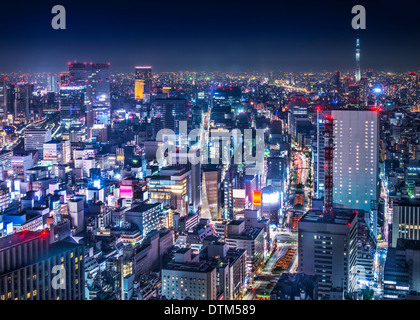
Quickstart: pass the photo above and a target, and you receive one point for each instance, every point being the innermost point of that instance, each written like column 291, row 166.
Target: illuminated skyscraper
column 30, row 268
column 357, row 76
column 73, row 110
column 23, row 93
column 97, row 90
column 328, row 249
column 3, row 99
column 98, row 84
column 226, row 101
column 355, row 179
column 78, row 74
column 64, row 79
column 52, row 84
column 142, row 83
column 171, row 112
column 319, row 169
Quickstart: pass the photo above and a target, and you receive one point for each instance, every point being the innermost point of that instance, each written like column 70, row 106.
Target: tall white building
column 355, row 179
column 3, row 99
column 52, row 84
column 34, row 139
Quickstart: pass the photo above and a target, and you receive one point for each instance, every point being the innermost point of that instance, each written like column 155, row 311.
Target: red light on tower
column 256, row 198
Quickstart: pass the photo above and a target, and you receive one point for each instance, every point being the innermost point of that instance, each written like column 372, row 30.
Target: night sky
column 215, row 35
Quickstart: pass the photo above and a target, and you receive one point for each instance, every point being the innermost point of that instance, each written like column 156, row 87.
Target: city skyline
column 234, row 36
column 209, row 151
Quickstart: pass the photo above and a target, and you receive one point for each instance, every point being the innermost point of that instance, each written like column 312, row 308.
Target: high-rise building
column 33, row 269
column 78, row 73
column 142, row 82
column 73, row 110
column 3, row 100
column 337, row 81
column 402, row 270
column 52, row 84
column 171, row 112
column 327, row 248
column 64, row 79
column 319, row 156
column 87, row 87
column 356, row 158
column 98, row 90
column 406, row 221
column 23, row 94
column 98, row 84
column 357, row 73
column 226, row 101
column 211, row 196
column 34, row 139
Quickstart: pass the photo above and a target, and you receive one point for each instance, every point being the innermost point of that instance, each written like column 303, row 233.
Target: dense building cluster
column 209, row 185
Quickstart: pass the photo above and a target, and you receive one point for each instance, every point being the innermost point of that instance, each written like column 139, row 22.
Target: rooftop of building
column 250, row 233
column 39, row 168
column 408, row 244
column 406, row 202
column 236, row 222
column 142, row 207
column 341, row 216
column 62, row 246
column 290, row 285
column 20, row 237
column 36, row 129
column 54, row 142
column 201, row 266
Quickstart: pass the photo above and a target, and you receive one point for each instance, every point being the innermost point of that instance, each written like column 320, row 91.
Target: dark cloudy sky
column 210, row 35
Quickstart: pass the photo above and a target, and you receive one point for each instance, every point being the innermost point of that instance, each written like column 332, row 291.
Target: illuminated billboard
column 239, row 193
column 256, row 198
column 126, row 192
column 271, row 198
